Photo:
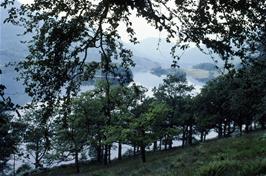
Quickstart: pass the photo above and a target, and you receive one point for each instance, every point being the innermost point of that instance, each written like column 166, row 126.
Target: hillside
column 243, row 156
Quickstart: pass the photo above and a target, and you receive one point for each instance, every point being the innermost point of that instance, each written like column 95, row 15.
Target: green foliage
column 10, row 130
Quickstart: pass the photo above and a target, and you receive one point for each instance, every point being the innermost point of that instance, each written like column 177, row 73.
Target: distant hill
column 205, row 66
column 160, row 52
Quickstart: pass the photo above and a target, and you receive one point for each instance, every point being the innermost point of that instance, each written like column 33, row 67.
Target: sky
column 142, row 29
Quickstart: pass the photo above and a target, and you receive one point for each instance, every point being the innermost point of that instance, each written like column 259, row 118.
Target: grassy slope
column 241, row 156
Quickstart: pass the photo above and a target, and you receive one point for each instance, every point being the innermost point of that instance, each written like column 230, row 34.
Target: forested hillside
column 76, row 41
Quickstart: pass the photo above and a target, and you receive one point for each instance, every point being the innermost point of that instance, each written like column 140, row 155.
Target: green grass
column 236, row 156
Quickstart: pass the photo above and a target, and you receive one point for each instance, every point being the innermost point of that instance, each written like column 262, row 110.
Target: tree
column 64, row 32
column 159, row 112
column 89, row 112
column 203, row 119
column 174, row 92
column 10, row 130
column 34, row 136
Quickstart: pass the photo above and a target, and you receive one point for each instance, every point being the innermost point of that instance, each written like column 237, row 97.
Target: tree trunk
column 183, row 136
column 204, row 137
column 37, row 155
column 165, row 143
column 224, row 130
column 105, row 159
column 143, row 153
column 240, row 129
column 160, row 145
column 201, row 136
column 247, row 128
column 190, row 135
column 99, row 153
column 134, row 150
column 154, row 146
column 119, row 151
column 170, row 142
column 109, row 153
column 77, row 161
column 220, row 130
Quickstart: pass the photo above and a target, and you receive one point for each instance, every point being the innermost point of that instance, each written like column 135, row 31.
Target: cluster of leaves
column 235, row 99
column 10, row 131
column 64, row 32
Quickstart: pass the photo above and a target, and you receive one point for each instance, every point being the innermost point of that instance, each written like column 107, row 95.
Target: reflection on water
column 150, row 81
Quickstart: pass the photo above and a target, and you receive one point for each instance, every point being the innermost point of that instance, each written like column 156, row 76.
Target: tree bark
column 220, row 130
column 37, row 155
column 143, row 153
column 183, row 136
column 154, row 146
column 119, row 151
column 201, row 136
column 160, row 145
column 77, row 161
column 247, row 128
column 165, row 143
column 99, row 153
column 105, row 159
column 240, row 129
column 170, row 142
column 109, row 153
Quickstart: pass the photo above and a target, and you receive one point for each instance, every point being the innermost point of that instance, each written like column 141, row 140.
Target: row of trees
column 98, row 123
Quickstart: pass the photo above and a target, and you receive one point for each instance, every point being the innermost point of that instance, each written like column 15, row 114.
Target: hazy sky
column 142, row 29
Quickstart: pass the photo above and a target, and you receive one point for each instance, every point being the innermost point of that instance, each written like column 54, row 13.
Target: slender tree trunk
column 109, row 153
column 220, row 130
column 160, row 145
column 247, row 128
column 190, row 135
column 170, row 141
column 119, row 151
column 165, row 143
column 154, row 146
column 184, row 136
column 224, row 130
column 105, row 159
column 37, row 155
column 201, row 136
column 77, row 161
column 143, row 153
column 134, row 150
column 204, row 138
column 99, row 153
column 240, row 129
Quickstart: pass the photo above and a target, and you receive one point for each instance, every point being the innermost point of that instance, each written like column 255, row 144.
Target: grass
column 236, row 156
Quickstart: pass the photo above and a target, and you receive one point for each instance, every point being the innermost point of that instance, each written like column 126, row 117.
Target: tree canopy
column 65, row 31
